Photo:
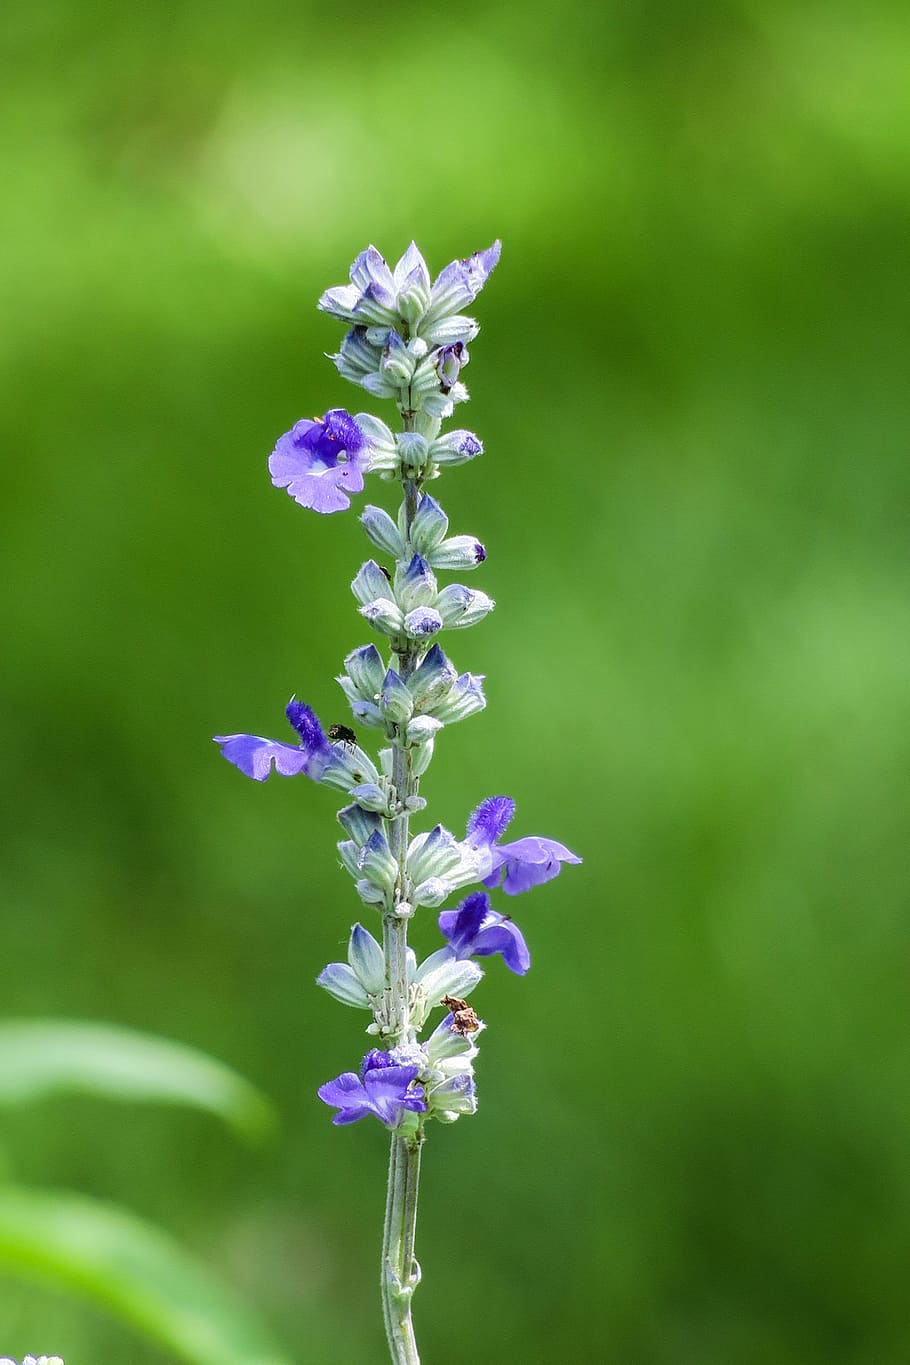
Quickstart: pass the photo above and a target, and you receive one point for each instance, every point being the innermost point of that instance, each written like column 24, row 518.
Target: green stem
column 400, row 1271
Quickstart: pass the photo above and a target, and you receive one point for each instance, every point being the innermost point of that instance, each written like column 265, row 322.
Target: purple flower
column 338, row 764
column 254, row 756
column 527, row 862
column 382, row 1089
column 475, row 929
column 320, row 462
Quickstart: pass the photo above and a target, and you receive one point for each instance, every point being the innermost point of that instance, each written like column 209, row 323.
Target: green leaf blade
column 42, row 1057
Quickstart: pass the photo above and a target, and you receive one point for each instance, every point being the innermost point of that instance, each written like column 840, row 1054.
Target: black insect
column 344, row 733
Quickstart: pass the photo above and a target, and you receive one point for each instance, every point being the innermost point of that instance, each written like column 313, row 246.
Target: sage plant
column 408, row 342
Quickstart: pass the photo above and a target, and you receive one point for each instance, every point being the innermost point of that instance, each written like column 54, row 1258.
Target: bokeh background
column 691, row 383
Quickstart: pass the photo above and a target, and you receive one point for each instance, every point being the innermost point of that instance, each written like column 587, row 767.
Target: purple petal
column 462, row 926
column 323, row 491
column 312, row 737
column 388, row 1092
column 375, row 1060
column 475, row 929
column 360, row 1111
column 343, row 431
column 506, row 938
column 528, row 862
column 254, row 756
column 320, row 462
column 343, row 1090
column 385, row 1092
column 490, row 820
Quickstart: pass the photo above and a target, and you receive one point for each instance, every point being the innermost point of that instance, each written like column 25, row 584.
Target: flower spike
column 407, row 339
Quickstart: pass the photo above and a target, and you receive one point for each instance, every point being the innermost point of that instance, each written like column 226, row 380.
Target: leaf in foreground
column 136, row 1271
column 46, row 1056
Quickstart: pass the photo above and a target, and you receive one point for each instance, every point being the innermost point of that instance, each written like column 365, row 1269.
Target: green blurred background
column 691, row 383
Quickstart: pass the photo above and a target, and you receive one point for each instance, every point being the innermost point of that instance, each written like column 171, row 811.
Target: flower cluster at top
column 407, row 341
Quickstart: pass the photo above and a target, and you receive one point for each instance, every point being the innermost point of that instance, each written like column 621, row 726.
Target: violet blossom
column 518, row 865
column 383, row 1089
column 337, row 764
column 319, row 462
column 475, row 929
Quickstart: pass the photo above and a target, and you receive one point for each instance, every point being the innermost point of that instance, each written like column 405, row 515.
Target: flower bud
column 385, row 615
column 397, row 362
column 380, row 385
column 369, row 893
column 349, row 765
column 396, row 702
column 414, row 295
column 442, row 405
column 371, row 797
column 370, row 583
column 382, row 531
column 421, row 623
column 366, row 671
column 455, row 447
column 433, row 892
column 413, row 452
column 349, row 852
column 452, row 1098
column 424, row 382
column 422, row 728
column 366, row 712
column 442, row 973
column 432, row 679
column 415, row 584
column 463, row 699
column 457, row 327
column 359, row 823
column 367, row 959
column 446, row 1044
column 376, row 861
column 460, row 606
column 458, row 552
column 358, row 360
column 429, row 526
column 433, row 854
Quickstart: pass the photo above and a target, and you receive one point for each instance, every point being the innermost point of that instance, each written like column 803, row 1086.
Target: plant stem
column 400, row 1271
